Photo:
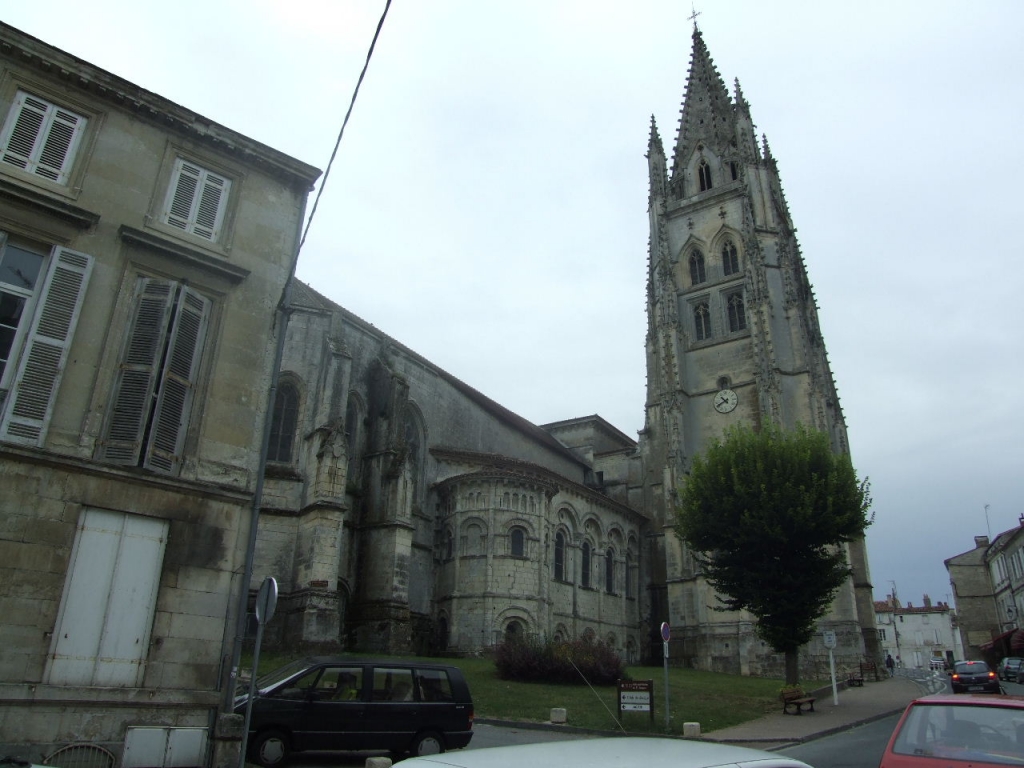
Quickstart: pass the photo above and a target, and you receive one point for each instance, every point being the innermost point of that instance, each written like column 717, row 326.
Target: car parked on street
column 334, row 703
column 1009, row 667
column 624, row 752
column 974, row 677
column 943, row 730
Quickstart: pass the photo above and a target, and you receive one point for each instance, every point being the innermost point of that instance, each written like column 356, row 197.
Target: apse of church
column 411, row 513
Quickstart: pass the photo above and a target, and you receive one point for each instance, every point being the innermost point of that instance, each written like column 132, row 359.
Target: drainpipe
column 284, row 310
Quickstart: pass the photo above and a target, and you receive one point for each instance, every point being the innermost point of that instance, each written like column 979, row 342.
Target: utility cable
column 341, row 133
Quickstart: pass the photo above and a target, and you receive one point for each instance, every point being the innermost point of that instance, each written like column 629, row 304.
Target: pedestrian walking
column 890, row 664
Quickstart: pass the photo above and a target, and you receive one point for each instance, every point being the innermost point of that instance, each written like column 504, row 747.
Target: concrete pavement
column 873, row 701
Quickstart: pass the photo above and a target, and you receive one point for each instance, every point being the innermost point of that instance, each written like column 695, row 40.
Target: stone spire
column 656, row 164
column 707, row 113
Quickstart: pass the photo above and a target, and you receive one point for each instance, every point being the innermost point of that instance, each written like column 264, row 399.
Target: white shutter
column 30, row 402
column 106, row 613
column 132, row 398
column 196, row 200
column 178, row 382
column 41, row 138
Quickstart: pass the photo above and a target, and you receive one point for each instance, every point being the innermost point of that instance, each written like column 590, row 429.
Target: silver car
column 625, row 752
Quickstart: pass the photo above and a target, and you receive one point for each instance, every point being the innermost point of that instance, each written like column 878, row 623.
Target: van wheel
column 270, row 749
column 427, row 743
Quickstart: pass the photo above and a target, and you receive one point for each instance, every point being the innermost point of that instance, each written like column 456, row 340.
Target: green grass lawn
column 714, row 700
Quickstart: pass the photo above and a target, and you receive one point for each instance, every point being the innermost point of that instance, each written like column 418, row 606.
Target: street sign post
column 829, row 637
column 266, row 604
column 666, row 635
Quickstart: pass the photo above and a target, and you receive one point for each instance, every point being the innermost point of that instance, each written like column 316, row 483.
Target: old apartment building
column 916, row 634
column 988, row 587
column 143, row 250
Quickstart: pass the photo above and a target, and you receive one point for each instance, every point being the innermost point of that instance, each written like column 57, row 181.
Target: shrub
column 573, row 663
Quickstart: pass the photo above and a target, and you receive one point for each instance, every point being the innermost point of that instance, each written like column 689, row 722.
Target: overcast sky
column 488, row 204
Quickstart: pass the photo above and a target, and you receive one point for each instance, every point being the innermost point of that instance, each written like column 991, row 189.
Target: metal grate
column 81, row 756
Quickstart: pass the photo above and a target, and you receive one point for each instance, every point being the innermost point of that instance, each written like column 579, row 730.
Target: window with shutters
column 196, row 200
column 41, row 138
column 155, row 384
column 41, row 296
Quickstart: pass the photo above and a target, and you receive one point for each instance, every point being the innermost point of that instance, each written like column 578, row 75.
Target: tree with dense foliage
column 766, row 513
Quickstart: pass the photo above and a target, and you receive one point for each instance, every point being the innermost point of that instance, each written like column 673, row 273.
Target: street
column 858, row 747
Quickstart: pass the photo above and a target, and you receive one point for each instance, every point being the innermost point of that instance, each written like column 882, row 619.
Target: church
column 404, row 511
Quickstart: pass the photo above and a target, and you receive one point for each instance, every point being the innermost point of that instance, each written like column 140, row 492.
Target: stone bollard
column 558, row 715
column 378, row 762
column 691, row 730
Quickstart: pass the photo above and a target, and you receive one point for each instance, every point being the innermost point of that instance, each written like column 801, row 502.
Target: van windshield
column 279, row 675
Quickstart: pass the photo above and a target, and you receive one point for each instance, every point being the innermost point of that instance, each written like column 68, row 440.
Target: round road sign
column 666, row 631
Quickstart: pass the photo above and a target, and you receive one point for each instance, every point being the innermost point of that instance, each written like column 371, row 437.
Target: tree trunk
column 792, row 667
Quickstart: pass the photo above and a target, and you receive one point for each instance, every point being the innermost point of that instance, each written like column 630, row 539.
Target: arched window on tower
column 285, row 420
column 704, row 175
column 737, row 313
column 609, row 571
column 585, row 574
column 697, row 272
column 517, row 540
column 701, row 321
column 559, row 556
column 730, row 259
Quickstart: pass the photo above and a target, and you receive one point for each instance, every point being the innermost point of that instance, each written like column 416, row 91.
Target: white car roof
column 625, row 752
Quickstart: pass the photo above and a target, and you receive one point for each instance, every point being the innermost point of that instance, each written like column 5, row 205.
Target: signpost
column 266, row 604
column 666, row 635
column 636, row 696
column 830, row 643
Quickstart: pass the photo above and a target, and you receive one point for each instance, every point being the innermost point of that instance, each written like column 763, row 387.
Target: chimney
column 981, row 541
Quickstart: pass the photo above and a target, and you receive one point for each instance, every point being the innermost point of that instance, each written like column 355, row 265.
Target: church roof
column 306, row 297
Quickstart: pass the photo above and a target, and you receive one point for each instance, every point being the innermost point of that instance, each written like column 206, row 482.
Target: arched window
column 517, row 540
column 697, row 273
column 737, row 314
column 560, row 556
column 513, row 631
column 285, row 420
column 585, row 575
column 629, row 574
column 730, row 259
column 353, row 434
column 704, row 175
column 609, row 571
column 449, row 545
column 701, row 321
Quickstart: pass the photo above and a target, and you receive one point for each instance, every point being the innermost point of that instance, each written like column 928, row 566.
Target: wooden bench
column 855, row 679
column 798, row 699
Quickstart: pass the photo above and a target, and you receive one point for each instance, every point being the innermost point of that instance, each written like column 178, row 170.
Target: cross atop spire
column 693, row 16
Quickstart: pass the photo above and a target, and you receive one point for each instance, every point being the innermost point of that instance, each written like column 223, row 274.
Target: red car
column 943, row 730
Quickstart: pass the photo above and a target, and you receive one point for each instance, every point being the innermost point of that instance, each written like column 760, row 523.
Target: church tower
column 732, row 337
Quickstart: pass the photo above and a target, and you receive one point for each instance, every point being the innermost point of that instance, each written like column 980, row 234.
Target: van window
column 434, row 685
column 392, row 684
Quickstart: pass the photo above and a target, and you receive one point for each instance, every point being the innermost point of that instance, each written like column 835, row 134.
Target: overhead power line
column 341, row 132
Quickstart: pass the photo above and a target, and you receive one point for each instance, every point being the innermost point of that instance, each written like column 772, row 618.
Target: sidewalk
column 873, row 701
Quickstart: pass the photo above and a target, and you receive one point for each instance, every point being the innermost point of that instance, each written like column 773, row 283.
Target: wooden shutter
column 178, row 382
column 196, row 200
column 41, row 138
column 30, row 402
column 132, row 398
column 109, row 600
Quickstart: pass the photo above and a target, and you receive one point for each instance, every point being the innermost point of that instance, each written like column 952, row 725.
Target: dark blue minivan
column 334, row 703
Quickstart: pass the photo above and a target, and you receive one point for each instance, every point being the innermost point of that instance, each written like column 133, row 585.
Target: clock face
column 725, row 401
